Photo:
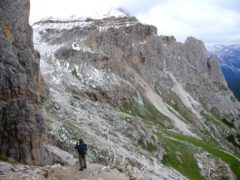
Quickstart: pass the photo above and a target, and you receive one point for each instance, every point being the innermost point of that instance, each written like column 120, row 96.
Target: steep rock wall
column 21, row 124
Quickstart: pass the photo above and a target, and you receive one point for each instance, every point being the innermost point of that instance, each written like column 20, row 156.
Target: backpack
column 82, row 148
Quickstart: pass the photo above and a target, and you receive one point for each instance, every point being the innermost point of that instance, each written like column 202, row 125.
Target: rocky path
column 57, row 172
column 94, row 172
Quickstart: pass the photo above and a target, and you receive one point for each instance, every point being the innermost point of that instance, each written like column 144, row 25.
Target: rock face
column 116, row 83
column 21, row 124
column 213, row 168
column 111, row 41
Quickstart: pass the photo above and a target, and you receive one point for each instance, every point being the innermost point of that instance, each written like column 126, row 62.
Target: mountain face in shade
column 229, row 58
column 21, row 124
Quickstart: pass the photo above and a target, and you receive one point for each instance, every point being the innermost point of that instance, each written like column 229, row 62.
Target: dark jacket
column 81, row 148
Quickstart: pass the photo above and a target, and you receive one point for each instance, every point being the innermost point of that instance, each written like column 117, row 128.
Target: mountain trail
column 58, row 172
column 93, row 172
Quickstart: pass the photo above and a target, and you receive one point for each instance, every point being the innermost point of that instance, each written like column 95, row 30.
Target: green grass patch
column 232, row 161
column 180, row 156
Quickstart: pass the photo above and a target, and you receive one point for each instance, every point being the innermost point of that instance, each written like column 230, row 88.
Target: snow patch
column 115, row 25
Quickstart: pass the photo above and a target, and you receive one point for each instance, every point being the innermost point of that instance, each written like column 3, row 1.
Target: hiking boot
column 85, row 167
column 80, row 169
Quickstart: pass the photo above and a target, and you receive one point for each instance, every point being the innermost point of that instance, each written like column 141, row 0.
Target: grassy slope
column 180, row 156
column 180, row 149
column 232, row 161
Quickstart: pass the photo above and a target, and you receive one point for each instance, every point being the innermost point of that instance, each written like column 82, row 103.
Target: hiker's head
column 81, row 140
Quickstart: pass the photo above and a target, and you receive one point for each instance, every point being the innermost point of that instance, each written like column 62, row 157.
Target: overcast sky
column 213, row 21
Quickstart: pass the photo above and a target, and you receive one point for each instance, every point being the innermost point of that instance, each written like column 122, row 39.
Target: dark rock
column 21, row 124
column 168, row 39
column 234, row 139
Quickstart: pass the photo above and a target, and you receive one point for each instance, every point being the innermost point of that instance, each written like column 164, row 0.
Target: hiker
column 82, row 152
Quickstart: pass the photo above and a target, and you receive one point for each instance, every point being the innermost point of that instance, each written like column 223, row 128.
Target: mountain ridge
column 119, row 73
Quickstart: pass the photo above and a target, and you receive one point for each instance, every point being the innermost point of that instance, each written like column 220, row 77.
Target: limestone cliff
column 114, row 41
column 21, row 124
column 138, row 99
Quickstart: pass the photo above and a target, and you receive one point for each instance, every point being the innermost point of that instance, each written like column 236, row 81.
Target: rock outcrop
column 21, row 124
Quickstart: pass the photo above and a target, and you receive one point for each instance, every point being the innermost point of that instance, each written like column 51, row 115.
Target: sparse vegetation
column 2, row 158
column 232, row 161
column 173, row 100
column 147, row 146
column 180, row 149
column 228, row 123
column 215, row 113
column 146, row 111
column 5, row 159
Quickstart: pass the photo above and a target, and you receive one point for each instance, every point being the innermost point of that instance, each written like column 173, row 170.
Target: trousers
column 82, row 161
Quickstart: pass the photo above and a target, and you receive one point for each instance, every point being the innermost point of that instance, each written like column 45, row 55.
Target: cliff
column 21, row 124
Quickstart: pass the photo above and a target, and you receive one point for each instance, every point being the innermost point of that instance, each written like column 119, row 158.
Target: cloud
column 232, row 5
column 66, row 8
column 136, row 7
column 206, row 20
column 213, row 21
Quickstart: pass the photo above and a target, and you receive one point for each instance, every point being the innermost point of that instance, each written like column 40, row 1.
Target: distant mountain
column 229, row 56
